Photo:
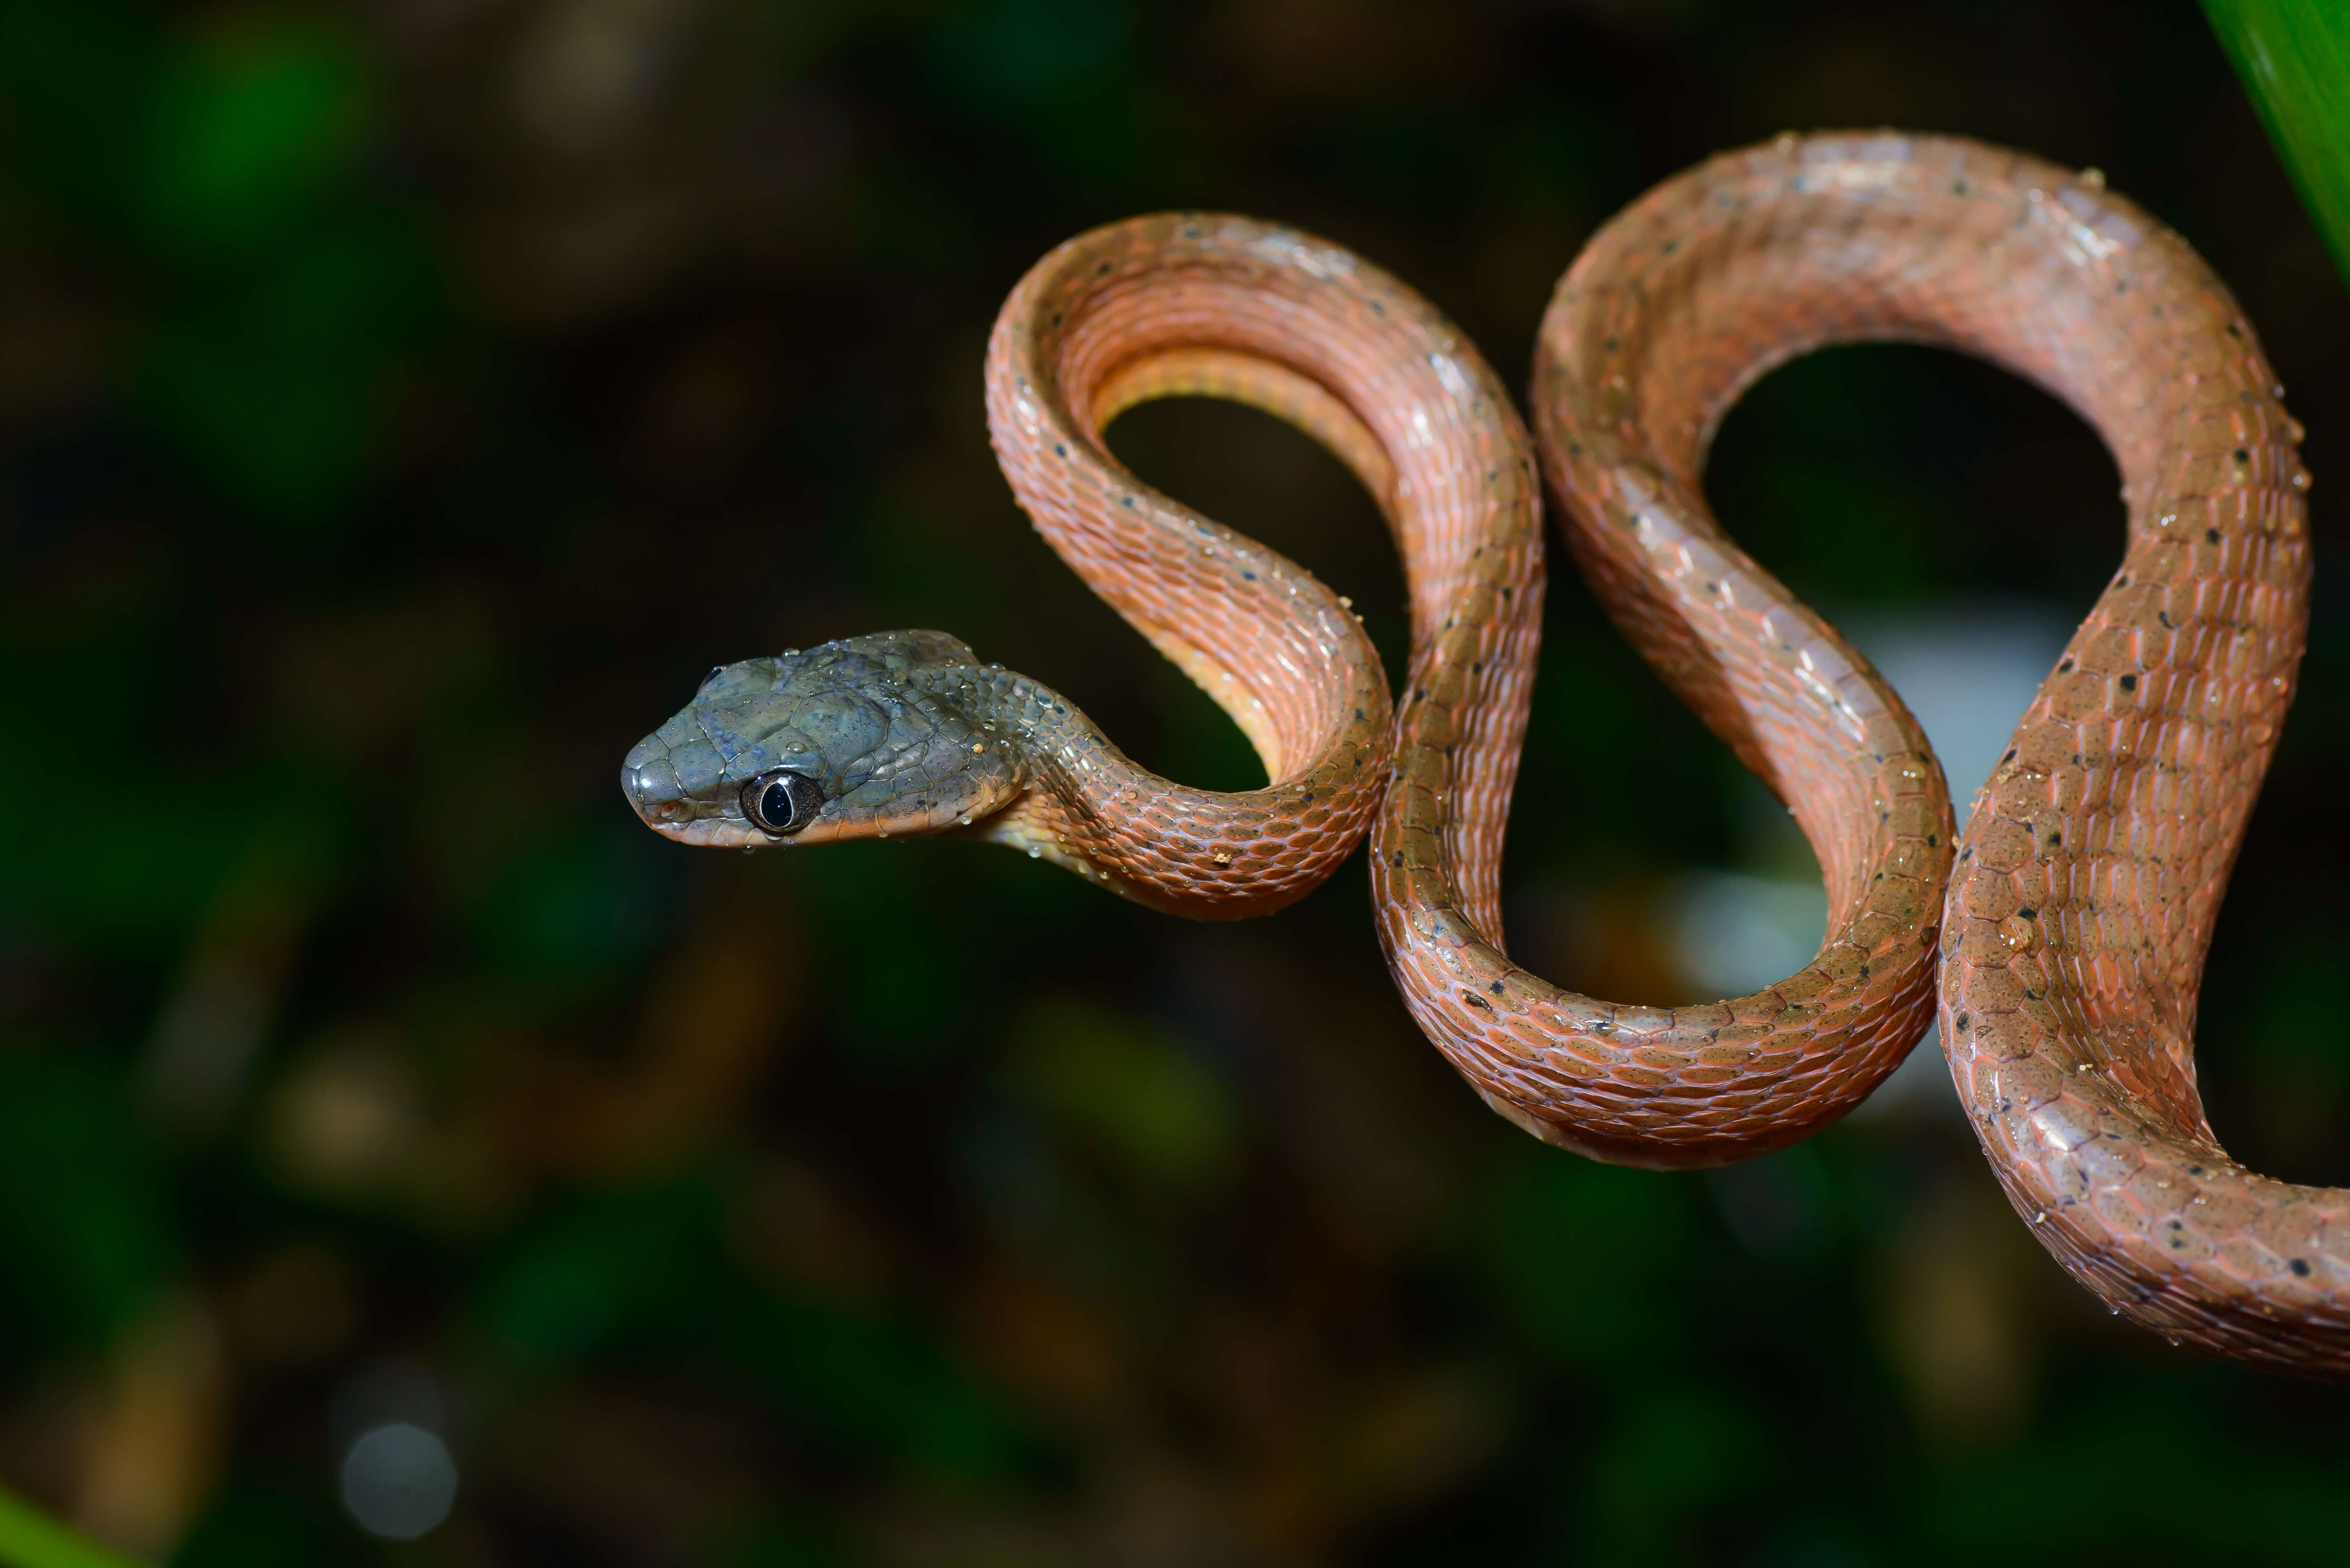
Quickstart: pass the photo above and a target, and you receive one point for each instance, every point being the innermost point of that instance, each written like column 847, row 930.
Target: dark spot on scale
column 1249, row 577
column 1102, row 271
column 1505, row 591
column 1495, row 988
column 2234, row 330
column 2129, row 683
column 2211, row 536
column 1965, row 1024
column 1129, row 501
column 2164, row 617
column 2065, row 666
column 1959, row 188
column 1359, row 712
column 2011, row 755
column 2194, row 1170
column 1611, row 345
column 2027, row 912
column 1060, row 449
column 2121, row 581
column 1379, row 306
column 2300, row 1266
column 2244, row 456
column 1398, row 857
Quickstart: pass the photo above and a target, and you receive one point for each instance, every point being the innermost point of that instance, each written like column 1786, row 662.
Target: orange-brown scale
column 1227, row 307
column 1190, row 304
column 2085, row 885
column 2075, row 934
column 1633, row 369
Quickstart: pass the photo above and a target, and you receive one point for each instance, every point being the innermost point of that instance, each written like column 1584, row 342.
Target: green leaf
column 2294, row 57
column 30, row 1539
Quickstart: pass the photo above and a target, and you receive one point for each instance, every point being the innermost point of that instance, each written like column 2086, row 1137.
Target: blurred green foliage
column 86, row 1218
column 218, row 167
column 406, row 403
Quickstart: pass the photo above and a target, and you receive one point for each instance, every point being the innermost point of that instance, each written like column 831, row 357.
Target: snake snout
column 651, row 784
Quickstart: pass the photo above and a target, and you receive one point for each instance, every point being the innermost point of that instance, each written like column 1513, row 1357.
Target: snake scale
column 2061, row 936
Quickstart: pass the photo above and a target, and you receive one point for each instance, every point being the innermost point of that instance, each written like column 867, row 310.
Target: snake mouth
column 714, row 833
column 652, row 788
column 733, row 833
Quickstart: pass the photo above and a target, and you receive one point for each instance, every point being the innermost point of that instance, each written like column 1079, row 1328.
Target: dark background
column 406, row 402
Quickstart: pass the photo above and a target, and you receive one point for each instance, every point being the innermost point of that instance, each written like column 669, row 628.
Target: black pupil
column 775, row 805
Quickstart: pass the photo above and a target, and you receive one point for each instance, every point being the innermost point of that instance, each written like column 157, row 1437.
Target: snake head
column 863, row 738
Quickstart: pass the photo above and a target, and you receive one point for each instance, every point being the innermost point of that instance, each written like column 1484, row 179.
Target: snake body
column 2075, row 927
column 2067, row 957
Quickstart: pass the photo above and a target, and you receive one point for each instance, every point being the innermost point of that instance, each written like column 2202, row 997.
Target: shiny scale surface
column 2068, row 954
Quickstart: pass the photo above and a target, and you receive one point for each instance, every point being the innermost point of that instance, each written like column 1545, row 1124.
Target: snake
column 2057, row 943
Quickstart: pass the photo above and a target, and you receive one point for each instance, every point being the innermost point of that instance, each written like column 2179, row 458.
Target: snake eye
column 781, row 801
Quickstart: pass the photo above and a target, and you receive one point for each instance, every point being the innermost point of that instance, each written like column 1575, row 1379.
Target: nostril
column 648, row 778
column 638, row 785
column 651, row 795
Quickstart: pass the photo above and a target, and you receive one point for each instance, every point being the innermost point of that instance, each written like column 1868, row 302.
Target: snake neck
column 1073, row 780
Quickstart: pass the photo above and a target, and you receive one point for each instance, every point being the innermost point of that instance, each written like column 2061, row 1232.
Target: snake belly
column 2075, row 927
